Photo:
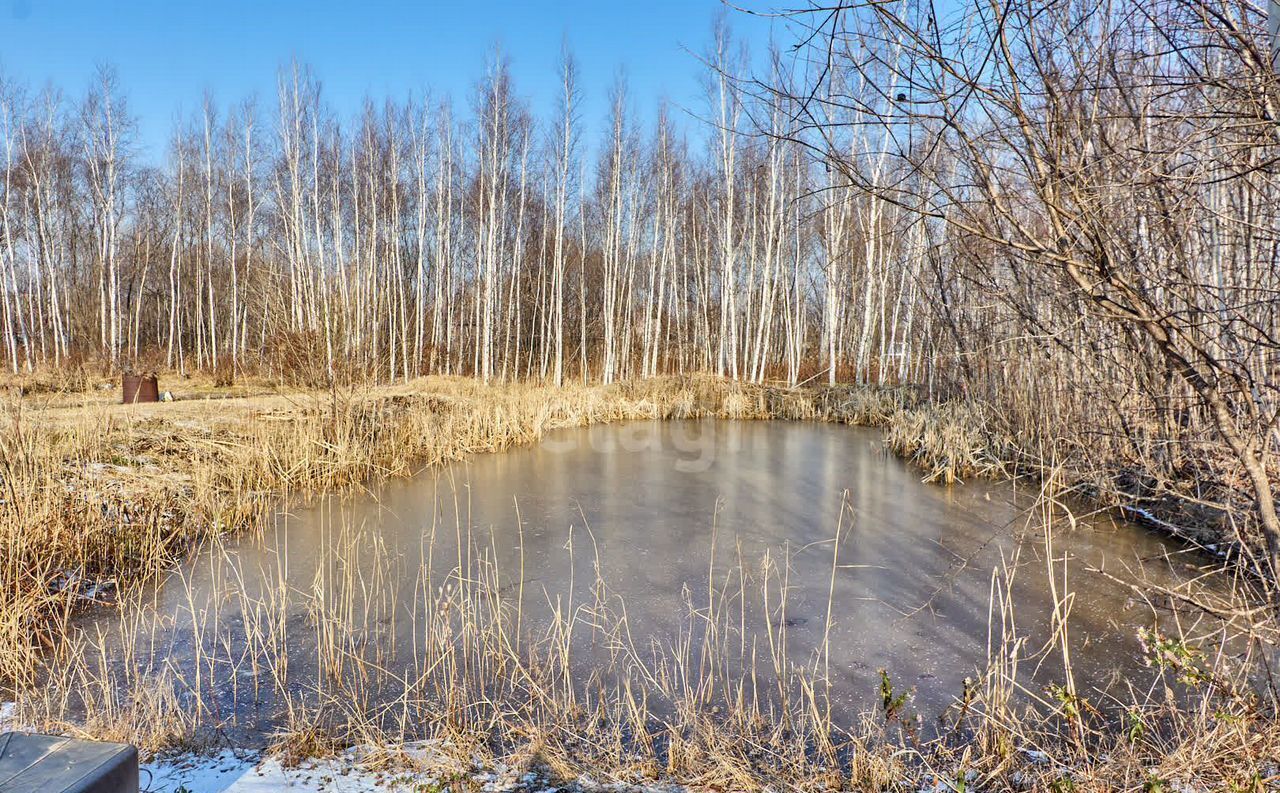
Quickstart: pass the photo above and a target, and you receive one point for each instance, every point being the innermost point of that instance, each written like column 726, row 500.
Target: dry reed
column 98, row 500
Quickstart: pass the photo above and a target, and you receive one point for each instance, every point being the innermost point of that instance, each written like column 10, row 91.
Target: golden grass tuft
column 950, row 442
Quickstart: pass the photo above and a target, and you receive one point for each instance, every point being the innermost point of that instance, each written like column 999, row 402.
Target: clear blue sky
column 168, row 52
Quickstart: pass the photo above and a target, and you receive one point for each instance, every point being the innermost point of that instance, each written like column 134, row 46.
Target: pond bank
column 105, row 493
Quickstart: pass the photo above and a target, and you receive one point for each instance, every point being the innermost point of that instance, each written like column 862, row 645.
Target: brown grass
column 101, row 494
column 98, row 494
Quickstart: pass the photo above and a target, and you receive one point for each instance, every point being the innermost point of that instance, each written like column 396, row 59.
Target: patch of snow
column 948, row 786
column 1174, row 529
column 248, row 772
column 1148, row 516
column 1036, row 757
column 196, row 774
column 241, row 772
column 335, row 775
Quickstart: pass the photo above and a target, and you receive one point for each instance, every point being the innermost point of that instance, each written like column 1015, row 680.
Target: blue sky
column 168, row 53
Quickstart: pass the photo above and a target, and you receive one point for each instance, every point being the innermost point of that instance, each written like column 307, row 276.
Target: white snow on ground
column 328, row 775
column 248, row 772
column 230, row 772
column 193, row 774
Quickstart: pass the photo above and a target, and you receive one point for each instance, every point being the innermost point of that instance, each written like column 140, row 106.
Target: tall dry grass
column 102, row 496
column 491, row 676
column 98, row 500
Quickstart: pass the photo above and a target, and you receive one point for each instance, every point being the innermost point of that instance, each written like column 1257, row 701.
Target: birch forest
column 424, row 236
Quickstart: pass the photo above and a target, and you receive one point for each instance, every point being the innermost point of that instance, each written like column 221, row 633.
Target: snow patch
column 338, row 775
column 249, row 772
column 196, row 774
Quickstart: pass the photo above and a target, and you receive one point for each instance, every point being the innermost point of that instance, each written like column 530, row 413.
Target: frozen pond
column 806, row 546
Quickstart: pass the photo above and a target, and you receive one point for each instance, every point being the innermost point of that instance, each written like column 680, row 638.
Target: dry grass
column 98, row 494
column 950, row 442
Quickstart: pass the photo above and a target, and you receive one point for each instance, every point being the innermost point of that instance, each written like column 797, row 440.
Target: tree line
column 419, row 237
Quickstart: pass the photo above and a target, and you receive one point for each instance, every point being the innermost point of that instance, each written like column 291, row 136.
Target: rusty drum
column 140, row 388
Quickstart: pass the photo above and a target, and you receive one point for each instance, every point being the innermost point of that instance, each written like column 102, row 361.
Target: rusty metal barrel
column 140, row 388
